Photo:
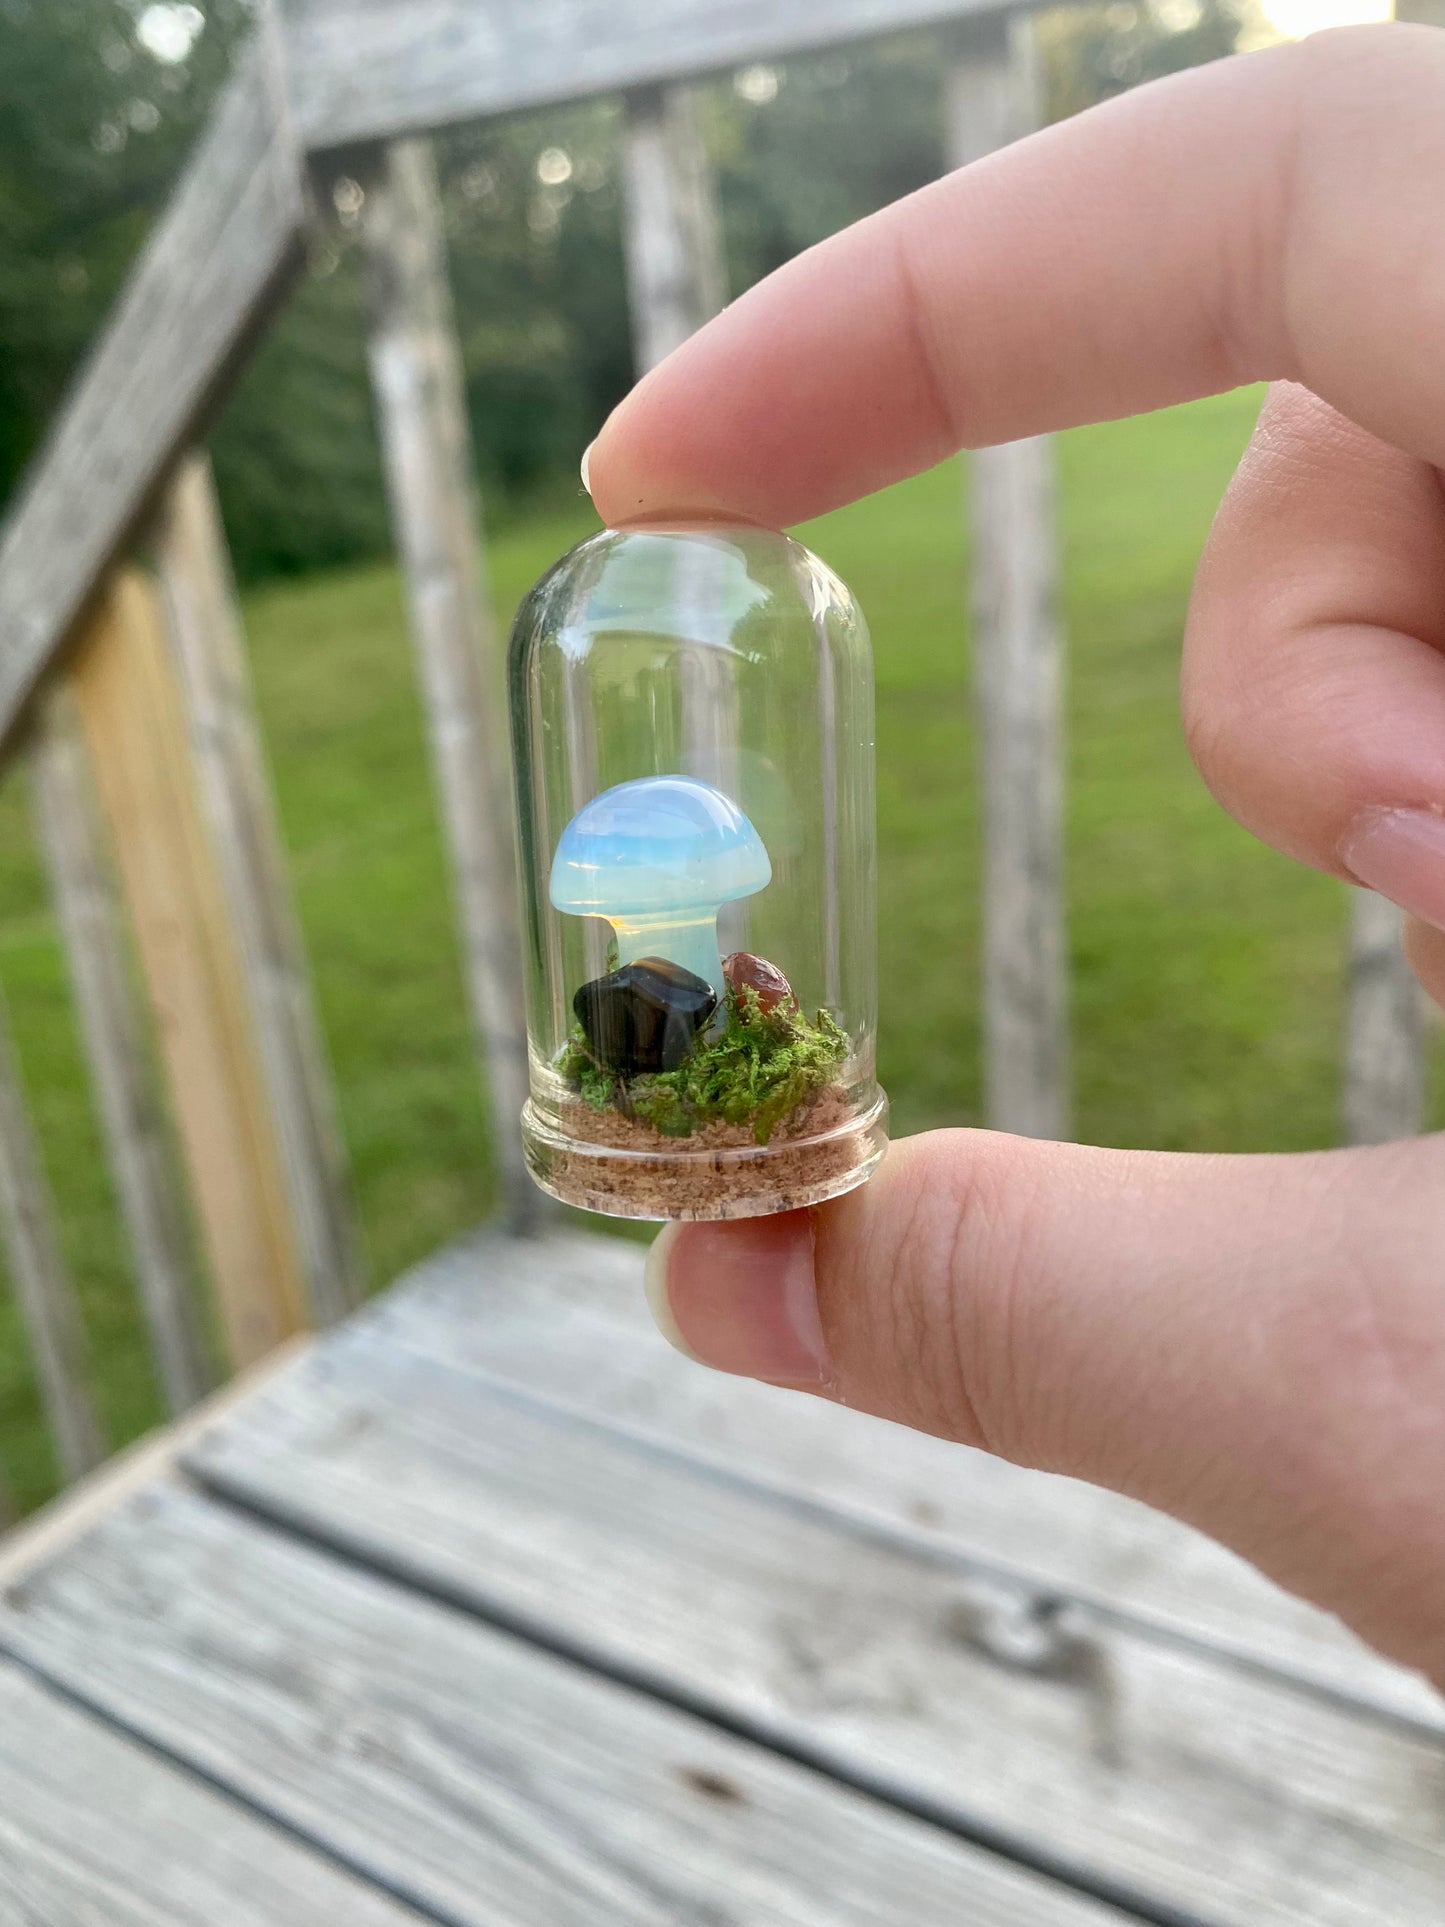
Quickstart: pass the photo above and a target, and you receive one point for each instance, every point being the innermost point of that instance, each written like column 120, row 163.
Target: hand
column 1256, row 1344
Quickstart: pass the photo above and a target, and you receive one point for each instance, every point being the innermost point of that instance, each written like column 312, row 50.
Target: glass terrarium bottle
column 692, row 717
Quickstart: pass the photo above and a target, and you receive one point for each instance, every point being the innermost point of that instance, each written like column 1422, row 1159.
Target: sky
column 1295, row 18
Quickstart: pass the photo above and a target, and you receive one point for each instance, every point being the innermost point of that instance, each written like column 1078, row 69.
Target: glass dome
column 692, row 720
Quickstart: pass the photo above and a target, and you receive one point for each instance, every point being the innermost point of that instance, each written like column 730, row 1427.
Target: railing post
column 1384, row 1094
column 994, row 98
column 42, row 1285
column 676, row 275
column 205, row 631
column 139, row 748
column 677, row 280
column 83, row 891
column 417, row 378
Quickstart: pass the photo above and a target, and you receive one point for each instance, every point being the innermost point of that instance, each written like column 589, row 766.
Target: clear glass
column 692, row 718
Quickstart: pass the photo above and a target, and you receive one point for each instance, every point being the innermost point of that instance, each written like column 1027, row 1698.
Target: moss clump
column 760, row 1066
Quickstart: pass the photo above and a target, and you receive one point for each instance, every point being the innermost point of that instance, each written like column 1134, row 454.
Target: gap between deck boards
column 203, row 1511
column 160, row 1458
column 1066, row 1873
column 1048, row 1598
column 369, row 1416
column 268, row 1816
column 180, row 1456
column 563, row 1317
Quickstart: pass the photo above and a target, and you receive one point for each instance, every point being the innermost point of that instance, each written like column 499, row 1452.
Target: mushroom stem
column 682, row 938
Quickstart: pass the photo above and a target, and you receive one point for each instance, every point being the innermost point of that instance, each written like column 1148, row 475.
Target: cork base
column 603, row 1161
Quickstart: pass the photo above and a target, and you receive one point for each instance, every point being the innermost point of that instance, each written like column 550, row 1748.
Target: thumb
column 1256, row 1344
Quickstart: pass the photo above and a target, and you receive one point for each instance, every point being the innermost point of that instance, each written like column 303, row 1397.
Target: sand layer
column 717, row 1172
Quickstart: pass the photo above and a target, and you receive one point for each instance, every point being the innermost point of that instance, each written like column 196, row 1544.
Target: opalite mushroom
column 658, row 858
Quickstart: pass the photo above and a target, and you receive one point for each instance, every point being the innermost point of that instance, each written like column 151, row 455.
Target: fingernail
column 654, row 1283
column 1400, row 854
column 586, row 462
column 741, row 1297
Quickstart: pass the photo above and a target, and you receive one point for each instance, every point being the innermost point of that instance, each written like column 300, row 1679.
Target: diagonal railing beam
column 364, row 70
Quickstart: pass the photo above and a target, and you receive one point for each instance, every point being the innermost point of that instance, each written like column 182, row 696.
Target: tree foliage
column 94, row 130
column 1095, row 52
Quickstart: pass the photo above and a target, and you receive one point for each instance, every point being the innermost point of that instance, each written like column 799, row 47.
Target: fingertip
column 600, row 472
column 654, row 1285
column 655, row 454
column 741, row 1297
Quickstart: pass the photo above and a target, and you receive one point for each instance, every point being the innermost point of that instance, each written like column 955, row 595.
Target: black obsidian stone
column 645, row 1016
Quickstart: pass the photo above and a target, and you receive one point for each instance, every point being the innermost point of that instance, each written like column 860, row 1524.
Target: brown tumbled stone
column 745, row 971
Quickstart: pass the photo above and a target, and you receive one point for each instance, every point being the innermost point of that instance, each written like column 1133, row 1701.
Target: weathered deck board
column 95, row 1831
column 483, row 1779
column 566, row 1317
column 1169, row 1779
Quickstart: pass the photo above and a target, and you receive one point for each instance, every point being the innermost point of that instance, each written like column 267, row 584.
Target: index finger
column 1271, row 216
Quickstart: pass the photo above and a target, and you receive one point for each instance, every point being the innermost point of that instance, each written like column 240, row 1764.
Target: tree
column 95, row 124
column 1094, row 52
column 93, row 132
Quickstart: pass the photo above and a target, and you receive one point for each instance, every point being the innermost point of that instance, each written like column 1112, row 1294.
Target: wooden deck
column 489, row 1609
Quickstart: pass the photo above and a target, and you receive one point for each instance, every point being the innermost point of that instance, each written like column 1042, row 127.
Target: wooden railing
column 123, row 674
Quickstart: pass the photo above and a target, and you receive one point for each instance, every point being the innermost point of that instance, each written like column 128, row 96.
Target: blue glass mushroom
column 658, row 858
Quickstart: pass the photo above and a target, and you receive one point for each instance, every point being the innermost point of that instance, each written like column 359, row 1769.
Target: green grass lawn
column 1206, row 969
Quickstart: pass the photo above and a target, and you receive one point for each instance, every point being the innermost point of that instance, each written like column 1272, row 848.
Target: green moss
column 758, row 1068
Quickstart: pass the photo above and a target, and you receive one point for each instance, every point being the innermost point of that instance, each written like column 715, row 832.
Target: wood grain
column 204, row 626
column 993, row 99
column 44, row 1293
column 82, row 886
column 95, row 1831
column 417, row 379
column 1167, row 1779
column 139, row 749
column 366, row 69
column 1384, row 1074
column 216, row 263
column 565, row 1317
column 484, row 1779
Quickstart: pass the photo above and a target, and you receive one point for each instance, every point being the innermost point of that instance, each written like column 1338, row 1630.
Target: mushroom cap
column 658, row 845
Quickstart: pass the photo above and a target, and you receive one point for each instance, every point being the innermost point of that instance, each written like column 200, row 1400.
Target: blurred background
column 1206, row 971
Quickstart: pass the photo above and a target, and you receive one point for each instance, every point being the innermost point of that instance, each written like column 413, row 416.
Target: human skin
column 1255, row 1344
